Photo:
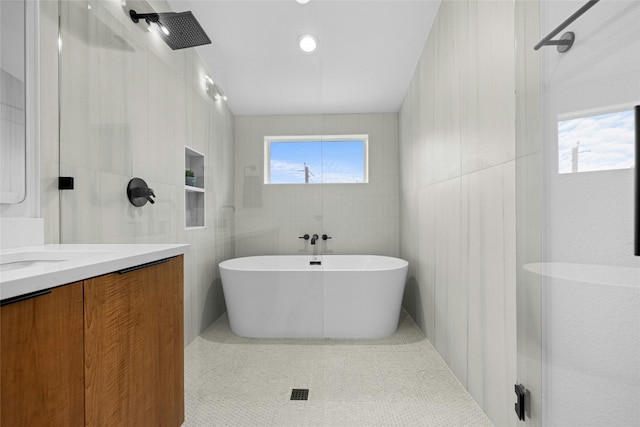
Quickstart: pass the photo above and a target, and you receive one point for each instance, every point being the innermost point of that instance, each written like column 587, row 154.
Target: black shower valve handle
column 305, row 237
column 325, row 237
column 139, row 192
column 151, row 194
column 147, row 193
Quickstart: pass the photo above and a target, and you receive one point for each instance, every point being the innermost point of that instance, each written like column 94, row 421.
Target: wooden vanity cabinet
column 41, row 358
column 134, row 347
column 106, row 351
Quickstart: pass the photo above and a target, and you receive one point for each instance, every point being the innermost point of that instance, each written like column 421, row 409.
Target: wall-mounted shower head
column 179, row 30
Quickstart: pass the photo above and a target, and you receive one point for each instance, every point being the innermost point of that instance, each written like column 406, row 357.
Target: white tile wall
column 361, row 218
column 457, row 201
column 21, row 232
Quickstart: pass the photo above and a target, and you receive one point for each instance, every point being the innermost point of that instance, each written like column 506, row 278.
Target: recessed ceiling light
column 303, row 1
column 308, row 43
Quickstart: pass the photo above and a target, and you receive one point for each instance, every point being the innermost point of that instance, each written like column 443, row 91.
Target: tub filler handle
column 305, row 237
column 325, row 237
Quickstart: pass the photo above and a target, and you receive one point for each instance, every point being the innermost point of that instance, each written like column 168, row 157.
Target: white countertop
column 61, row 264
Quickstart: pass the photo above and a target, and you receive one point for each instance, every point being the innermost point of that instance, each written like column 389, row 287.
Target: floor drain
column 300, row 394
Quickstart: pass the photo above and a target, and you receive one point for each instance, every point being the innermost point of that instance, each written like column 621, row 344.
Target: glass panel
column 590, row 277
column 528, row 210
column 294, row 162
column 132, row 107
column 344, row 162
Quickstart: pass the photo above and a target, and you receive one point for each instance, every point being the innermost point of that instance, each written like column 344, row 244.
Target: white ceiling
column 367, row 55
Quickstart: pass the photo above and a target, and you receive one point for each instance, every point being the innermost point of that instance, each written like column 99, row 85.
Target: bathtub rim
column 228, row 264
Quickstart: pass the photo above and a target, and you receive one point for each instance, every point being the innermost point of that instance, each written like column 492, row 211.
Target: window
column 596, row 142
column 336, row 159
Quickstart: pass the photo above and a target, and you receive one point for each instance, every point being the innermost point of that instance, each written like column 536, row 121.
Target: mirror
column 12, row 102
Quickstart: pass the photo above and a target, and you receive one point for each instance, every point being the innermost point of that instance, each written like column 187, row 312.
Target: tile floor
column 396, row 381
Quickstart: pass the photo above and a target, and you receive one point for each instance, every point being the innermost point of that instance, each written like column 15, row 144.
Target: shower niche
column 194, row 191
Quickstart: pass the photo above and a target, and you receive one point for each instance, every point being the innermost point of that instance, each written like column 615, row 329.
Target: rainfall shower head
column 179, row 30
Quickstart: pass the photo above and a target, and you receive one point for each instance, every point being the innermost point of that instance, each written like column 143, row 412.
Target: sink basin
column 8, row 266
column 19, row 260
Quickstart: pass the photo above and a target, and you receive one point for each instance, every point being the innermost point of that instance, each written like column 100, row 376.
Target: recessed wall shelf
column 194, row 195
column 193, row 189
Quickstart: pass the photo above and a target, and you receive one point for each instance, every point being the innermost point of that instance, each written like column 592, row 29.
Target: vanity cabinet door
column 134, row 347
column 41, row 355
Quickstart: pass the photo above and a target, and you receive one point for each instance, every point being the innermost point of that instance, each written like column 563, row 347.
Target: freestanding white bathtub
column 302, row 296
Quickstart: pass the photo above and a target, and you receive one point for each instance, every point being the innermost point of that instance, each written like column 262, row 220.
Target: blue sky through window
column 597, row 142
column 329, row 162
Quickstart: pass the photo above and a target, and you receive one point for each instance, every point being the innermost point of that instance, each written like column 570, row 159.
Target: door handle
column 636, row 225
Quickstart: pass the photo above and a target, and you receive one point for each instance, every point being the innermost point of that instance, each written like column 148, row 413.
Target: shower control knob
column 325, row 237
column 305, row 237
column 139, row 192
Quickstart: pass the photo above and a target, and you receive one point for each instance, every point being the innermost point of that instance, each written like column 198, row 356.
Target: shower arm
column 149, row 17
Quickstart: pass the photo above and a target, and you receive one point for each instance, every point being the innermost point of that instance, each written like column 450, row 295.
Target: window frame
column 315, row 138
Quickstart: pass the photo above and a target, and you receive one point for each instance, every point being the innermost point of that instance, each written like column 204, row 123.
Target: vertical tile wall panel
column 426, row 249
column 457, row 140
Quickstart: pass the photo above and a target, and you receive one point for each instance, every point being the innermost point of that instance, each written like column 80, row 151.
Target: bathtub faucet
column 314, row 238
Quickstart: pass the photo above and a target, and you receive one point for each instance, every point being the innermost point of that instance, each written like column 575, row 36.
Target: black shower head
column 179, row 30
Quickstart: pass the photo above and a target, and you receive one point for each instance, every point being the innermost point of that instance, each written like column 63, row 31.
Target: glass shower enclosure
column 579, row 279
